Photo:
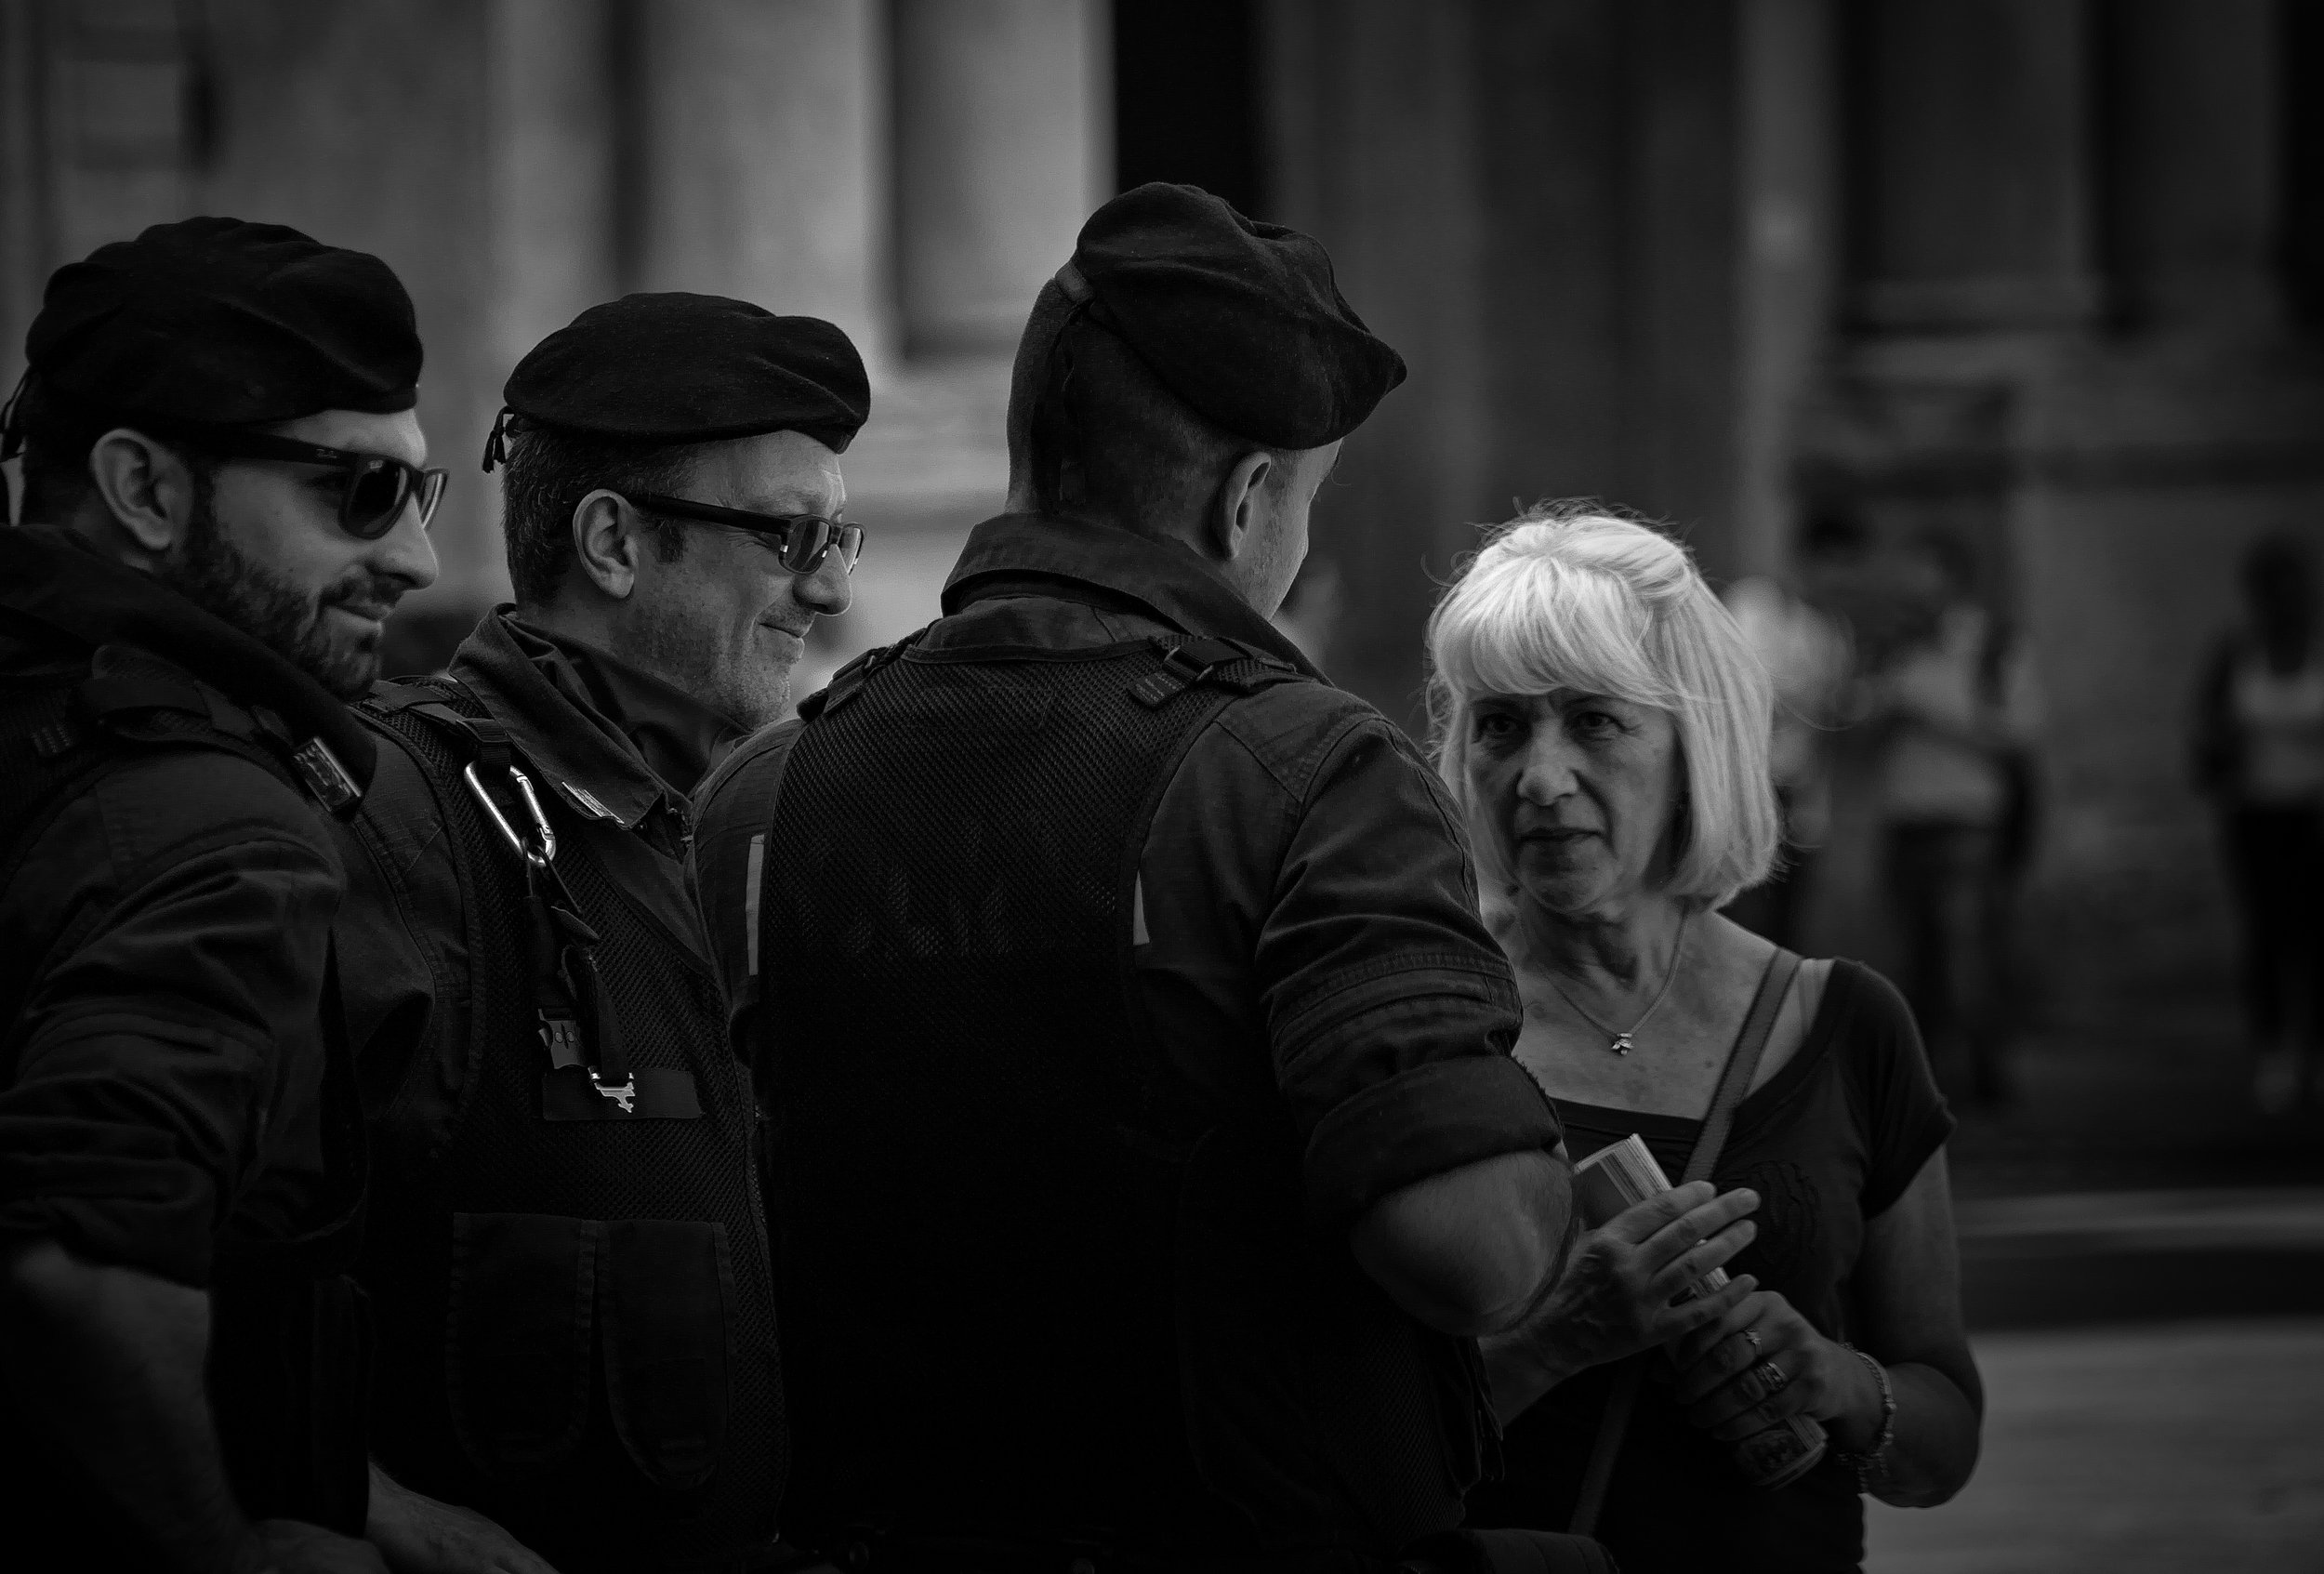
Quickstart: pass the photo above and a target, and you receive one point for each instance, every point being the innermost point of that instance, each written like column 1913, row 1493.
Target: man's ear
column 1240, row 504
column 607, row 538
column 145, row 486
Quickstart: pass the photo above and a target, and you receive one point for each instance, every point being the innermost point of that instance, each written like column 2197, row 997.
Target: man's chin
column 347, row 667
column 762, row 707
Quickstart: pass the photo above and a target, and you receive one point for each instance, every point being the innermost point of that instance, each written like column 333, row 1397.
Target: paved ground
column 2133, row 1182
column 2185, row 1447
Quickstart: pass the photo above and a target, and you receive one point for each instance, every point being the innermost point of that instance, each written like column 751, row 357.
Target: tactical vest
column 577, row 1328
column 1028, row 1291
column 289, row 1339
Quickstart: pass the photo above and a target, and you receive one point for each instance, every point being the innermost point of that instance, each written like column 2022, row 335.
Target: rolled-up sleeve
column 182, row 914
column 1390, row 1010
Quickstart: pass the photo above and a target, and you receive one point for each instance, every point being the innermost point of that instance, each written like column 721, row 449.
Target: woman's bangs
column 1533, row 627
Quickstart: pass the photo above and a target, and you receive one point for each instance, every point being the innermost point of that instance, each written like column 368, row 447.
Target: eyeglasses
column 801, row 540
column 379, row 488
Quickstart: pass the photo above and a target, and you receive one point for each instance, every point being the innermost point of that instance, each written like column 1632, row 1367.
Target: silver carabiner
column 547, row 852
column 541, row 820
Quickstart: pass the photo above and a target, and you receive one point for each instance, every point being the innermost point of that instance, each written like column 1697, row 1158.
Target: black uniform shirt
column 1307, row 930
column 401, row 938
column 159, row 1076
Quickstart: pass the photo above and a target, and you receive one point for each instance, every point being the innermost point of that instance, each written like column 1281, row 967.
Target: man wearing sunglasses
column 222, row 498
column 568, row 1251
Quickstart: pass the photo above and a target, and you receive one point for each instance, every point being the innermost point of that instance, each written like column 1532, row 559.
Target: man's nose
column 407, row 552
column 829, row 591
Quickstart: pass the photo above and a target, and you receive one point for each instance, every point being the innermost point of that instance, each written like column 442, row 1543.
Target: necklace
column 1621, row 1043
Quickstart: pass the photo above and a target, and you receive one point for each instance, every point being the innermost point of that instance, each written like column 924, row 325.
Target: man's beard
column 214, row 574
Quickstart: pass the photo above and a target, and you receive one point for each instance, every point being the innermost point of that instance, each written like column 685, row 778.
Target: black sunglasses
column 379, row 488
column 801, row 540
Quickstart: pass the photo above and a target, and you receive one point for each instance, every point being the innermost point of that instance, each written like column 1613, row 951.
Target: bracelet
column 1865, row 1463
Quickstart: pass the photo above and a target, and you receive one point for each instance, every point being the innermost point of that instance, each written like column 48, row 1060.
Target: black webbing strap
column 849, row 679
column 1734, row 1083
column 578, row 1024
column 1191, row 663
column 122, row 682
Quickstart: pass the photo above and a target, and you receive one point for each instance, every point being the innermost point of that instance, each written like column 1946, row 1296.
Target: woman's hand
column 1763, row 1361
column 1614, row 1297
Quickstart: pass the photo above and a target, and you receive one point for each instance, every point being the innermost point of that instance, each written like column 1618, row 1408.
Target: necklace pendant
column 1621, row 1044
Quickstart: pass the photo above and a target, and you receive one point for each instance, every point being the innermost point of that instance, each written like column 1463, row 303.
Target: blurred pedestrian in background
column 1957, row 711
column 1603, row 725
column 1809, row 659
column 2259, row 755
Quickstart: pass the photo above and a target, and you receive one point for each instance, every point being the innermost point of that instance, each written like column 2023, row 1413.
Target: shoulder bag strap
column 1734, row 1082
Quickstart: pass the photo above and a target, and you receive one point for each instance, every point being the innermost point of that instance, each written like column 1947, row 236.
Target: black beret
column 690, row 368
column 1241, row 319
column 216, row 321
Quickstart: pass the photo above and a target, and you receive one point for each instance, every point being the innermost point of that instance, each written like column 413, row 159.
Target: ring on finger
column 1772, row 1376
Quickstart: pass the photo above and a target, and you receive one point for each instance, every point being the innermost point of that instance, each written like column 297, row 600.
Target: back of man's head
column 1093, row 432
column 1181, row 337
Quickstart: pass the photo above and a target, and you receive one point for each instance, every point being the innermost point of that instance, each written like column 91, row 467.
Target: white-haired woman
column 1604, row 726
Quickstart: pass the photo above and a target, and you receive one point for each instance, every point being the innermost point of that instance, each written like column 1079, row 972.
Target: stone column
column 1375, row 150
column 1535, row 200
column 25, row 222
column 762, row 163
column 1001, row 149
column 553, row 127
column 1787, row 279
column 1974, row 192
column 2196, row 162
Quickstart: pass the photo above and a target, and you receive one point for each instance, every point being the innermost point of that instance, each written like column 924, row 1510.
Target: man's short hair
column 1140, row 455
column 59, row 432
column 548, row 473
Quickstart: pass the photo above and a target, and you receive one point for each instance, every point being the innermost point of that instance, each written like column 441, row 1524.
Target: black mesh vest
column 1028, row 1291
column 289, row 1332
column 577, row 1332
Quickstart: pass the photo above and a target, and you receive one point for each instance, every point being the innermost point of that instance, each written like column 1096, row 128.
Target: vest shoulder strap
column 141, row 698
column 849, row 680
column 1207, row 662
column 58, row 736
column 455, row 715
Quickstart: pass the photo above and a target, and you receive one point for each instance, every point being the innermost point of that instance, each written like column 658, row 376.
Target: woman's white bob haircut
column 1567, row 597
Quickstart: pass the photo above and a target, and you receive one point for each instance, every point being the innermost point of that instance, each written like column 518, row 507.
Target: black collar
column 51, row 578
column 1162, row 577
column 527, row 679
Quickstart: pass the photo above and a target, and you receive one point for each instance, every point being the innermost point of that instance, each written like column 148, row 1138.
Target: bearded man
column 567, row 1246
column 223, row 499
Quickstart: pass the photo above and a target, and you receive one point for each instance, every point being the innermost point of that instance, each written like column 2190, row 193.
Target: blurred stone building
column 2049, row 273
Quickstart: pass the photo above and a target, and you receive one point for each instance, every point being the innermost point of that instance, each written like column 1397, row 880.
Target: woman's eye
column 1495, row 726
column 1594, row 723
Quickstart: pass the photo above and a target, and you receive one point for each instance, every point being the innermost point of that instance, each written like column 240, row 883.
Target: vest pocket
column 524, row 1297
column 669, row 1299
